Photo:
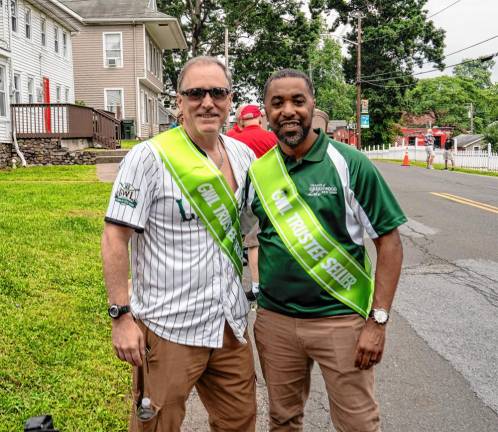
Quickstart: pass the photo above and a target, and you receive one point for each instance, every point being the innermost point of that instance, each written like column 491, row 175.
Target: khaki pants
column 287, row 349
column 224, row 379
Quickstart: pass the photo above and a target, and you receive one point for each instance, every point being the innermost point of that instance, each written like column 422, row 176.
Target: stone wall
column 5, row 155
column 49, row 152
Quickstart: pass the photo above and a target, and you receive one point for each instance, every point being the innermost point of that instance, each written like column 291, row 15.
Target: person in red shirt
column 238, row 126
column 253, row 135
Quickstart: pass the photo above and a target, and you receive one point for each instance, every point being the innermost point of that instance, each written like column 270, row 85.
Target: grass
column 440, row 166
column 55, row 350
column 128, row 144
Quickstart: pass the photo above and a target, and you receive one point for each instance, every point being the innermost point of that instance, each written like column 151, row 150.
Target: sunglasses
column 198, row 94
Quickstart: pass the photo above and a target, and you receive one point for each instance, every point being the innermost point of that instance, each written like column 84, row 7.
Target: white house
column 36, row 58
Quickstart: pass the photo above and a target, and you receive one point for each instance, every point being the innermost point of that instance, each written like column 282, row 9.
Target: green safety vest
column 205, row 188
column 321, row 256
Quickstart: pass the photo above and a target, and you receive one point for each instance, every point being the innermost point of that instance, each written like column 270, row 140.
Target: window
column 31, row 90
column 146, row 109
column 13, row 13
column 16, row 97
column 27, row 23
column 56, row 39
column 114, row 102
column 66, row 94
column 64, row 44
column 151, row 52
column 58, row 93
column 39, row 94
column 113, row 47
column 3, row 102
column 44, row 32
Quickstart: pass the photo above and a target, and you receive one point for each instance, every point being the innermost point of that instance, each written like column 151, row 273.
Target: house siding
column 91, row 77
column 29, row 59
column 32, row 60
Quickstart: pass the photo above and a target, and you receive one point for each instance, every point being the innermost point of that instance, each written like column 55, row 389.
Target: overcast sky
column 466, row 23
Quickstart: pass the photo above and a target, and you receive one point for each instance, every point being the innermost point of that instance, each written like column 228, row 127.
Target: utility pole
column 358, row 85
column 471, row 116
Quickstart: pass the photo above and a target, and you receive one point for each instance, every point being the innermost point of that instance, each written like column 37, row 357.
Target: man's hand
column 370, row 346
column 128, row 340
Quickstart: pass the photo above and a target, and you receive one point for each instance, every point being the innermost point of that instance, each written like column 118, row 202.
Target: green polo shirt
column 349, row 197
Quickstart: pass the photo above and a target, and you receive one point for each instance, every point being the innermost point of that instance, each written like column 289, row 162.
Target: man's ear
column 179, row 101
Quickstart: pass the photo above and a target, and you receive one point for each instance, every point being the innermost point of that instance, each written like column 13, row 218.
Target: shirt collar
column 317, row 151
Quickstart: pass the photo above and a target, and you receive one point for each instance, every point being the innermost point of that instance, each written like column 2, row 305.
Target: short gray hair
column 203, row 60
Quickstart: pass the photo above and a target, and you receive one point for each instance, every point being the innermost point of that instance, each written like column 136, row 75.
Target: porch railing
column 65, row 121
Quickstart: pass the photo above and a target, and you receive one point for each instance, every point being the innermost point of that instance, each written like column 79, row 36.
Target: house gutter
column 11, row 73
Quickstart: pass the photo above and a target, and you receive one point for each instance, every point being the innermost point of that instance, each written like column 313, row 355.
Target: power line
column 442, row 10
column 446, row 56
column 390, row 86
column 430, row 16
column 481, row 59
column 374, row 83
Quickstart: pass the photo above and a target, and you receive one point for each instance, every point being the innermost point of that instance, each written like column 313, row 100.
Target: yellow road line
column 467, row 201
column 470, row 201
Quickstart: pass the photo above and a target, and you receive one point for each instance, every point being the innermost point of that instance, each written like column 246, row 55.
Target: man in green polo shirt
column 315, row 286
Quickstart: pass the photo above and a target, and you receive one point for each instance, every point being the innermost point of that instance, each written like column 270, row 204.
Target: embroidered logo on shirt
column 319, row 189
column 127, row 194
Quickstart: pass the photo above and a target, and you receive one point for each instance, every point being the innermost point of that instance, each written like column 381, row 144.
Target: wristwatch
column 380, row 316
column 115, row 311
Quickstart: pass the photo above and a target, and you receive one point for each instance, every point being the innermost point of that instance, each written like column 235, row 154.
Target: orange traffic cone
column 406, row 161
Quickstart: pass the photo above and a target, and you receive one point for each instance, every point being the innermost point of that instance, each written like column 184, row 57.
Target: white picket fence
column 485, row 160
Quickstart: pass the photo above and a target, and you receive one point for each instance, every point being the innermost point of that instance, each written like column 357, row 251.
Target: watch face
column 114, row 311
column 380, row 316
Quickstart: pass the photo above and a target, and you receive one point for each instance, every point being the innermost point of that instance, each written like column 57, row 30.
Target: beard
column 293, row 139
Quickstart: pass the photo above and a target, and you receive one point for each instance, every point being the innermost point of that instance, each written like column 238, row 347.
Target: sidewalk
column 107, row 172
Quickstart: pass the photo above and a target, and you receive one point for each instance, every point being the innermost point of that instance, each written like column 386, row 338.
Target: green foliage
column 449, row 98
column 397, row 37
column 476, row 70
column 264, row 35
column 55, row 351
column 333, row 95
column 491, row 135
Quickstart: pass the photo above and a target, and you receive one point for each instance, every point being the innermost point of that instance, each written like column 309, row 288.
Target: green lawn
column 128, row 144
column 55, row 351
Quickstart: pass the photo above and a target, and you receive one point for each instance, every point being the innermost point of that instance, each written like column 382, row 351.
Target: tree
column 397, row 37
column 332, row 94
column 477, row 70
column 446, row 97
column 264, row 35
column 449, row 97
column 491, row 135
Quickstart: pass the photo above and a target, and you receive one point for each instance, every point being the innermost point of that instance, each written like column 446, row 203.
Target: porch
column 65, row 121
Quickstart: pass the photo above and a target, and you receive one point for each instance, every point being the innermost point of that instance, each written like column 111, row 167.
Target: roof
column 465, row 140
column 57, row 12
column 164, row 28
column 334, row 124
column 125, row 9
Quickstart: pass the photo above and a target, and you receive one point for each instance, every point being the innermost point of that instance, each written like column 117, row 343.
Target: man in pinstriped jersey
column 185, row 324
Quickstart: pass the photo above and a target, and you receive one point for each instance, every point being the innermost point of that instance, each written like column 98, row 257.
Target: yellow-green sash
column 321, row 255
column 206, row 190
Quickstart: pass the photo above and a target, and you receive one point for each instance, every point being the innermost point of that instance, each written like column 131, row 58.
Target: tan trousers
column 224, row 379
column 288, row 347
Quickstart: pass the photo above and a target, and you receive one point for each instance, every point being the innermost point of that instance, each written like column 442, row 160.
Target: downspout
column 135, row 83
column 11, row 73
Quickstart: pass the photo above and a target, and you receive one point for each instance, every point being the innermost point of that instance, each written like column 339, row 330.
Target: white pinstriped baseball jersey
column 184, row 286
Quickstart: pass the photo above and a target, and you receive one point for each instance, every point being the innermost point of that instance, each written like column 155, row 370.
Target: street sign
column 365, row 121
column 364, row 106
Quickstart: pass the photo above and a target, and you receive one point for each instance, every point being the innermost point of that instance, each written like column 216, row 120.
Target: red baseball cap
column 250, row 112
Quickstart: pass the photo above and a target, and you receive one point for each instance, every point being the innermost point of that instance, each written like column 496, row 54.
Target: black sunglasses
column 198, row 93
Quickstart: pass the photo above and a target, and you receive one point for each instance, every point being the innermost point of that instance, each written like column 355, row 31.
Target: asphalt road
column 440, row 369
